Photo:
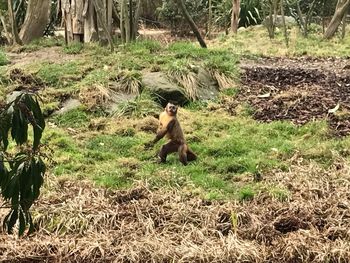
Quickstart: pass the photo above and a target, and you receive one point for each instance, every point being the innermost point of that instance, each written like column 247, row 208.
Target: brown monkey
column 170, row 127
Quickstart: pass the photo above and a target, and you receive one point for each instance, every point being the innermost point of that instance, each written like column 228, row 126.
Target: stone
column 208, row 88
column 158, row 83
column 68, row 105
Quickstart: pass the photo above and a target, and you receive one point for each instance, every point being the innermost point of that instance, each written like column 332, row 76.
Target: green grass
column 74, row 119
column 229, row 148
column 74, row 48
column 60, row 74
column 3, row 58
column 254, row 41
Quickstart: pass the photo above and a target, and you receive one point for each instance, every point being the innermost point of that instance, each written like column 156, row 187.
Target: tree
column 340, row 11
column 305, row 23
column 235, row 15
column 15, row 37
column 22, row 169
column 191, row 23
column 87, row 20
column 36, row 20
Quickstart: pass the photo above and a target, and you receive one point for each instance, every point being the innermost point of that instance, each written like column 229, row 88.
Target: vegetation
column 265, row 107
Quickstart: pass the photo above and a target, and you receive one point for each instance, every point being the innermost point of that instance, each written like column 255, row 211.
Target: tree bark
column 122, row 20
column 136, row 19
column 235, row 15
column 210, row 18
column 193, row 25
column 284, row 24
column 100, row 18
column 340, row 11
column 343, row 31
column 15, row 37
column 6, row 32
column 36, row 20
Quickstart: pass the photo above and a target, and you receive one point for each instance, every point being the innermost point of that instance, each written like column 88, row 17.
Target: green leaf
column 12, row 221
column 39, row 121
column 30, row 221
column 22, row 223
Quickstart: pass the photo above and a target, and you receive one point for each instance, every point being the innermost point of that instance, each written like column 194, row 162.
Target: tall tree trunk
column 235, row 15
column 210, row 17
column 109, row 14
column 343, row 31
column 126, row 21
column 284, row 24
column 15, row 38
column 90, row 29
column 340, row 11
column 36, row 20
column 122, row 20
column 136, row 19
column 6, row 32
column 101, row 18
column 193, row 25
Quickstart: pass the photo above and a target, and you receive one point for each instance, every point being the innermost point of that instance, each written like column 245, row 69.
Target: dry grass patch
column 80, row 223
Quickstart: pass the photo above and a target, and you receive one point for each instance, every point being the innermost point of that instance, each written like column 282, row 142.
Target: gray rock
column 68, row 105
column 209, row 88
column 290, row 21
column 159, row 84
column 12, row 96
column 117, row 99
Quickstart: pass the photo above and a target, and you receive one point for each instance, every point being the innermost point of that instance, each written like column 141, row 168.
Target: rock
column 208, row 88
column 68, row 105
column 117, row 99
column 12, row 96
column 290, row 21
column 159, row 84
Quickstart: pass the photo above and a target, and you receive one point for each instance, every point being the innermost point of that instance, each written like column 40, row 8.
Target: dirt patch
column 79, row 223
column 22, row 81
column 299, row 90
column 49, row 54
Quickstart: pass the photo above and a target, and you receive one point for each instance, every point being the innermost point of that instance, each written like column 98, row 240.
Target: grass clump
column 128, row 81
column 143, row 105
column 59, row 74
column 76, row 118
column 3, row 58
column 74, row 48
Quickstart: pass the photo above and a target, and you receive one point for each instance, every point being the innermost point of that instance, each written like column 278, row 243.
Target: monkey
column 169, row 126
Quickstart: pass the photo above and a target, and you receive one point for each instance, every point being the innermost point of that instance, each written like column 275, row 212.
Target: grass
column 254, row 41
column 73, row 49
column 3, row 58
column 230, row 149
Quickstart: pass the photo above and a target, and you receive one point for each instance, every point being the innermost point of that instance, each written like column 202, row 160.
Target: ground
column 271, row 182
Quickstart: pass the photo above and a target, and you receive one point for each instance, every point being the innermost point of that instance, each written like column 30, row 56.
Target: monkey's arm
column 161, row 133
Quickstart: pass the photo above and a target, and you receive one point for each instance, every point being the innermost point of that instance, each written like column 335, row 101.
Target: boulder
column 12, row 96
column 158, row 83
column 290, row 21
column 208, row 87
column 68, row 105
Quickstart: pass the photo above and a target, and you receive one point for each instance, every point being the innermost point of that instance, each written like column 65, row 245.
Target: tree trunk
column 136, row 19
column 6, row 32
column 15, row 38
column 340, row 11
column 101, row 18
column 284, row 24
column 90, row 28
column 192, row 23
column 36, row 20
column 210, row 17
column 122, row 20
column 343, row 31
column 235, row 15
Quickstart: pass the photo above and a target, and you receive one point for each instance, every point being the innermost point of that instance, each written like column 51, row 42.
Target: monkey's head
column 171, row 109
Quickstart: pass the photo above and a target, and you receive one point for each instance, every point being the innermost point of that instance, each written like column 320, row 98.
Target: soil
column 299, row 90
